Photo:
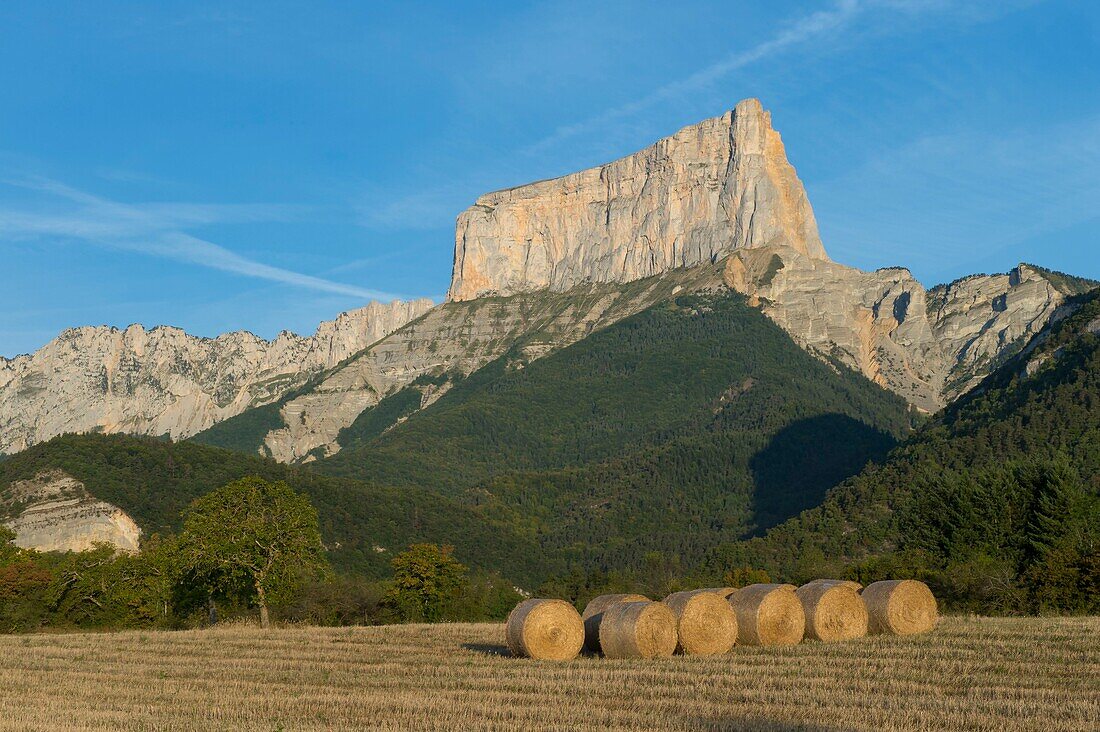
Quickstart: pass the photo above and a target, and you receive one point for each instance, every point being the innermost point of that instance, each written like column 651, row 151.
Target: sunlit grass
column 1033, row 674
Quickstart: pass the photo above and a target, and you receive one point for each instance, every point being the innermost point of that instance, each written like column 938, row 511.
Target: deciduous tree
column 254, row 534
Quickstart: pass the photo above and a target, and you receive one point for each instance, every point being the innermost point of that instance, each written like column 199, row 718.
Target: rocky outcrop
column 927, row 346
column 54, row 513
column 712, row 188
column 164, row 381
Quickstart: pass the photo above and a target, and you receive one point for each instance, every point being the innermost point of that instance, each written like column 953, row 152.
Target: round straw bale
column 707, row 623
column 768, row 615
column 638, row 630
column 593, row 614
column 834, row 611
column 900, row 607
column 848, row 583
column 545, row 629
column 723, row 591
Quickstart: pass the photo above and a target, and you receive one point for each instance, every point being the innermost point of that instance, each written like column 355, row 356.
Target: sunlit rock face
column 929, row 346
column 54, row 513
column 714, row 187
column 163, row 381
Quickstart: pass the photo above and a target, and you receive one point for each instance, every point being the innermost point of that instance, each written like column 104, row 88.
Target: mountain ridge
column 719, row 196
column 163, row 380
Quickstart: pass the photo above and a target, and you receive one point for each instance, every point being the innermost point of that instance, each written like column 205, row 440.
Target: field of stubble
column 996, row 674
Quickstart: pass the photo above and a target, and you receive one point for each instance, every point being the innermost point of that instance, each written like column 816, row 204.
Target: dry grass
column 1037, row 674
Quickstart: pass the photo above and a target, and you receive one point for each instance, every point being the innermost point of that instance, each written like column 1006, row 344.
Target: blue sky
column 265, row 165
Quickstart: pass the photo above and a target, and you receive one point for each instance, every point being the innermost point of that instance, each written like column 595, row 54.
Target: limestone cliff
column 927, row 346
column 715, row 187
column 164, row 381
column 54, row 513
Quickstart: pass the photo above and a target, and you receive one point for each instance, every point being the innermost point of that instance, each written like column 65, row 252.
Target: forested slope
column 363, row 525
column 995, row 500
column 693, row 422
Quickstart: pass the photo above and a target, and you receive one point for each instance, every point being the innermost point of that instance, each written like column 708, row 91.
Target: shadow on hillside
column 807, row 458
column 488, row 649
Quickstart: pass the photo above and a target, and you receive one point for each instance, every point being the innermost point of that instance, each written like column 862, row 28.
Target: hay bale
column 707, row 624
column 900, row 607
column 768, row 615
column 593, row 614
column 638, row 630
column 725, row 592
column 847, row 583
column 834, row 611
column 545, row 629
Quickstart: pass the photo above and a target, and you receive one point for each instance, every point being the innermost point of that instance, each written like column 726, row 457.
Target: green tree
column 253, row 535
column 100, row 587
column 1058, row 497
column 745, row 576
column 8, row 550
column 425, row 577
column 23, row 582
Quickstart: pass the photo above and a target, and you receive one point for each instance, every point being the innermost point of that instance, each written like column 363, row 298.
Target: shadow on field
column 489, row 649
column 756, row 724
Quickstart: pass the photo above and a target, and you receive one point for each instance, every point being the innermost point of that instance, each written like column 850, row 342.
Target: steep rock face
column 977, row 319
column 712, row 188
column 56, row 514
column 927, row 346
column 459, row 338
column 164, row 381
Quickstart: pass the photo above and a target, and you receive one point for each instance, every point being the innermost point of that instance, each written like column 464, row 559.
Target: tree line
column 251, row 548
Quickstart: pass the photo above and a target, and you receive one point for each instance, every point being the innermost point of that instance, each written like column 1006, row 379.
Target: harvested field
column 1003, row 674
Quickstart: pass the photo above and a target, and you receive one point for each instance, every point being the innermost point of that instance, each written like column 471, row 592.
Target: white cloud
column 809, row 27
column 156, row 229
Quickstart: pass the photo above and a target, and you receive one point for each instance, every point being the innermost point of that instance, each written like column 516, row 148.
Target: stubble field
column 995, row 674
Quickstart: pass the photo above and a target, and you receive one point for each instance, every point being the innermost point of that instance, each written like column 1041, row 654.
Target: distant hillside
column 997, row 500
column 693, row 422
column 362, row 525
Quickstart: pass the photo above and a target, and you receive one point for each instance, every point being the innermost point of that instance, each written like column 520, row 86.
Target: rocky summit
column 929, row 346
column 712, row 188
column 162, row 381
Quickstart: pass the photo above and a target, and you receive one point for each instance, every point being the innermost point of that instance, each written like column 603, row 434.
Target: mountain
column 716, row 205
column 451, row 341
column 165, row 382
column 694, row 421
column 715, row 187
column 996, row 500
column 929, row 346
